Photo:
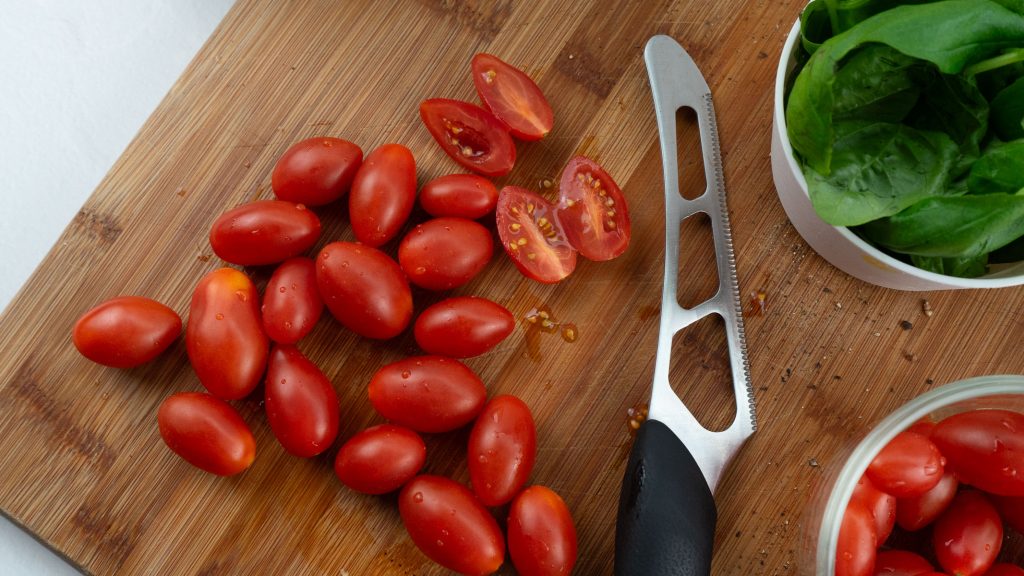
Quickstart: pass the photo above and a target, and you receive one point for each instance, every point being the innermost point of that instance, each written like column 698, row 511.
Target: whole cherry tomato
column 291, row 302
column 513, row 97
column 462, row 327
column 206, row 432
column 264, row 232
column 380, row 459
column 908, row 466
column 450, row 526
column 445, row 253
column 470, row 135
column 502, row 450
column 882, row 507
column 968, row 536
column 985, row 448
column 126, row 331
column 592, row 210
column 428, row 393
column 364, row 289
column 1005, row 570
column 224, row 339
column 900, row 563
column 532, row 237
column 856, row 547
column 383, row 194
column 460, row 195
column 316, row 171
column 1012, row 510
column 541, row 535
column 919, row 511
column 302, row 406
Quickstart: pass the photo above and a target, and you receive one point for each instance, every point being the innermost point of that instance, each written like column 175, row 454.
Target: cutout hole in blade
column 698, row 268
column 700, row 373
column 689, row 154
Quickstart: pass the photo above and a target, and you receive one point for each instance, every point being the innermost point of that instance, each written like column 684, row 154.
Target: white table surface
column 79, row 80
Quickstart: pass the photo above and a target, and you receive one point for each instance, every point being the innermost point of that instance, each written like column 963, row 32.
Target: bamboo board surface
column 84, row 469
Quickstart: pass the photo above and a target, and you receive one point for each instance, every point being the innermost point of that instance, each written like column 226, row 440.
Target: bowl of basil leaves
column 898, row 139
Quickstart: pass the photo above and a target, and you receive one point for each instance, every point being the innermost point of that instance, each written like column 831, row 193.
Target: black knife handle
column 667, row 515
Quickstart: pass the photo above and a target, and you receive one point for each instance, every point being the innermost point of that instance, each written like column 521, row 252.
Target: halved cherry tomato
column 380, row 459
column 985, row 448
column 126, row 331
column 513, row 97
column 291, row 302
column 857, row 544
column 460, row 195
column 592, row 210
column 908, row 466
column 206, row 432
column 445, row 253
column 301, row 404
column 968, row 536
column 316, row 171
column 541, row 535
column 470, row 135
column 882, row 507
column 919, row 511
column 364, row 289
column 1005, row 570
column 383, row 194
column 901, row 563
column 462, row 327
column 450, row 526
column 1011, row 508
column 428, row 393
column 532, row 236
column 502, row 450
column 264, row 232
column 224, row 339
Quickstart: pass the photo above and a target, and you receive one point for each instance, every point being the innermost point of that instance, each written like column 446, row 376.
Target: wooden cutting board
column 84, row 469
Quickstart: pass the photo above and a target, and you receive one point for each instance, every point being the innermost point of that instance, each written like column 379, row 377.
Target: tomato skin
column 502, row 450
column 125, row 331
column 460, row 195
column 1012, row 510
column 513, row 97
column 207, row 432
column 901, row 563
column 316, row 171
column 364, row 289
column 541, row 534
column 462, row 327
column 967, row 537
column 908, row 466
column 524, row 231
column 428, row 393
column 301, row 404
column 915, row 513
column 967, row 441
column 383, row 194
column 264, row 232
column 467, row 541
column 380, row 459
column 592, row 211
column 470, row 135
column 882, row 507
column 291, row 302
column 445, row 253
column 224, row 338
column 857, row 544
column 1005, row 570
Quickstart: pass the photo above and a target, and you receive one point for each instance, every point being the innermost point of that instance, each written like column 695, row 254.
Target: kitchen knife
column 666, row 523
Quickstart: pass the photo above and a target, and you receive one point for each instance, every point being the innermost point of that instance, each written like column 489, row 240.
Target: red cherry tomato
column 302, row 406
column 291, row 302
column 502, row 449
column 513, row 97
column 592, row 210
column 923, row 426
column 364, row 289
column 881, row 506
column 380, row 459
column 900, row 563
column 541, row 535
column 126, row 331
column 450, row 526
column 532, row 236
column 264, row 232
column 908, row 466
column 1005, row 570
column 383, row 194
column 224, row 339
column 428, row 393
column 985, row 449
column 460, row 195
column 445, row 253
column 470, row 135
column 917, row 512
column 206, row 432
column 855, row 552
column 968, row 535
column 462, row 327
column 316, row 171
column 1012, row 510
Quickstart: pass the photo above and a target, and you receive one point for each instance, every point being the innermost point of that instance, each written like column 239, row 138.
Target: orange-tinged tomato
column 541, row 534
column 207, row 432
column 126, row 331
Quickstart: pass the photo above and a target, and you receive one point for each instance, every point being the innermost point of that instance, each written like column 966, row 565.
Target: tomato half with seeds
column 301, row 404
column 291, row 302
column 316, row 171
column 364, row 289
column 428, row 393
column 513, row 97
column 968, row 536
column 901, row 563
column 460, row 195
column 207, row 432
column 908, row 466
column 383, row 194
column 917, row 512
column 541, row 534
column 445, row 253
column 380, row 459
column 532, row 236
column 470, row 135
column 502, row 449
column 985, row 449
column 462, row 327
column 126, row 331
column 264, row 232
column 592, row 210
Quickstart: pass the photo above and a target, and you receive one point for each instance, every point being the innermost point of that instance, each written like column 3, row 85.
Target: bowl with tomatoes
column 937, row 487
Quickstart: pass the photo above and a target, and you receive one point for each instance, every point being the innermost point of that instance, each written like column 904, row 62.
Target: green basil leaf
column 815, row 27
column 1008, row 111
column 954, row 105
column 879, row 83
column 961, row 267
column 999, row 169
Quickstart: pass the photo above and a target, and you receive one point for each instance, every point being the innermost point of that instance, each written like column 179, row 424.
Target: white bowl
column 844, row 249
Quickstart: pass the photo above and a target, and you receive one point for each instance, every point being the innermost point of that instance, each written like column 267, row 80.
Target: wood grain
column 83, row 465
